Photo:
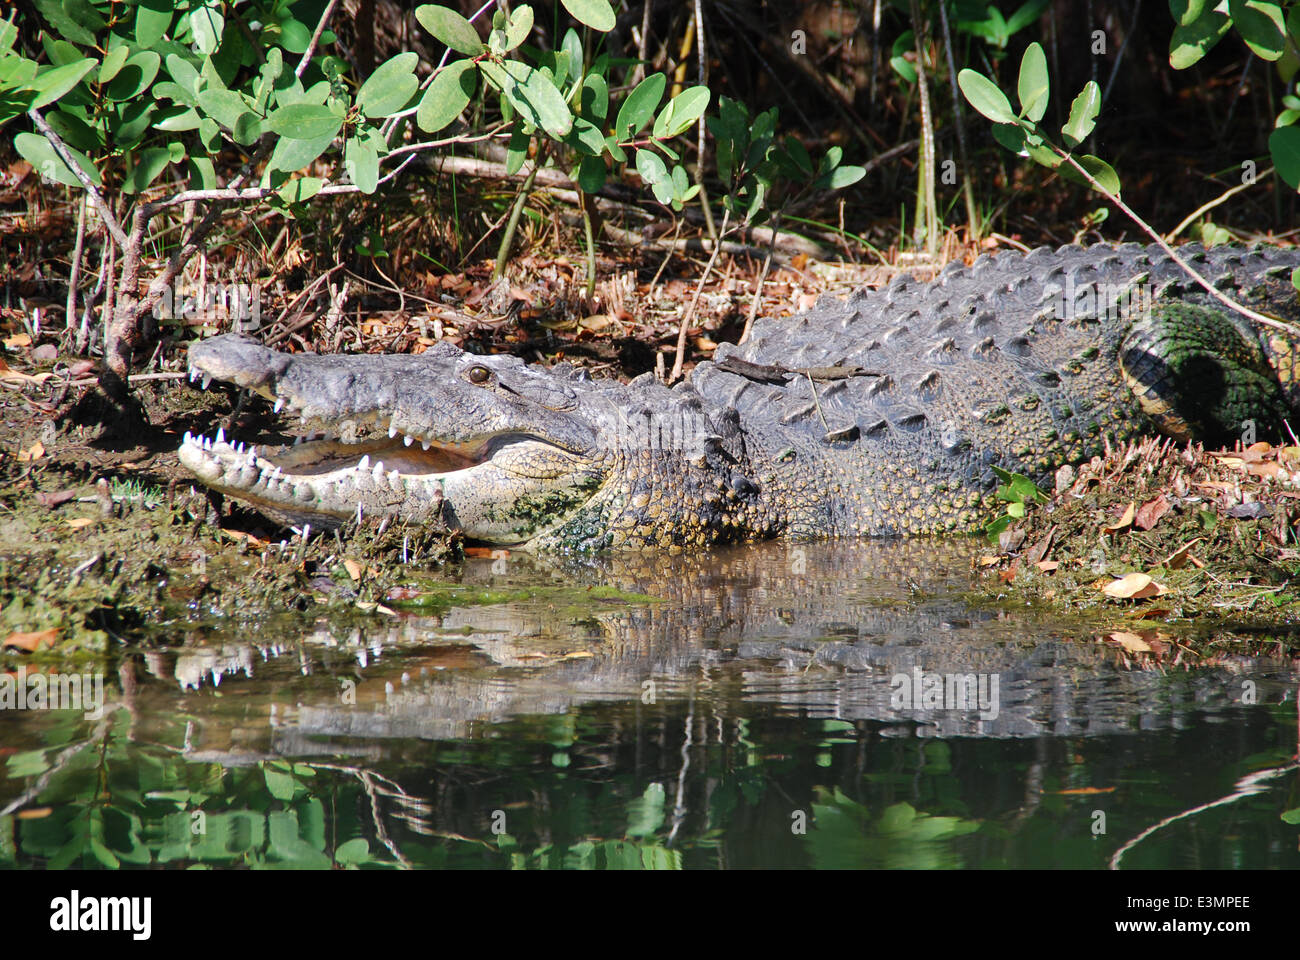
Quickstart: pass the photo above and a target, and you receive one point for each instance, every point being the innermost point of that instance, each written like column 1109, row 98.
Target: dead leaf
column 353, row 568
column 1178, row 559
column 30, row 641
column 34, row 452
column 987, row 561
column 34, row 813
column 76, row 523
column 1269, row 469
column 1151, row 512
column 1047, row 566
column 241, row 535
column 13, row 376
column 1134, row 586
column 1122, row 522
column 1263, row 446
column 18, row 340
column 1083, row 791
column 1131, row 642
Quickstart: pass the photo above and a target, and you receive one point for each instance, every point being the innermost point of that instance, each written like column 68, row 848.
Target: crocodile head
column 508, row 453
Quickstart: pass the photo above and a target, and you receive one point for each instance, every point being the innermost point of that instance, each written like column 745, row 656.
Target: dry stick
column 1210, row 288
column 1203, row 208
column 699, row 290
column 925, row 186
column 61, row 149
column 968, row 187
column 74, row 274
column 758, row 288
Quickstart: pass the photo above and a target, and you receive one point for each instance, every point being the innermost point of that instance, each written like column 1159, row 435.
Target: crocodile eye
column 479, row 374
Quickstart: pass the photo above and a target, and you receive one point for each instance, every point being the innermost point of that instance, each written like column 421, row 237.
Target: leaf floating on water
column 30, row 641
column 1131, row 642
column 1134, row 586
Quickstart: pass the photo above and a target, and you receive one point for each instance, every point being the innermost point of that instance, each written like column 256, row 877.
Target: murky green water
column 752, row 717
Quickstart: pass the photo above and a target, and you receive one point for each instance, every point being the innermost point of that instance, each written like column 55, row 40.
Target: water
column 751, row 716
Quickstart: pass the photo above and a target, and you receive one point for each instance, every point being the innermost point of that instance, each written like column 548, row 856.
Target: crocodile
column 882, row 414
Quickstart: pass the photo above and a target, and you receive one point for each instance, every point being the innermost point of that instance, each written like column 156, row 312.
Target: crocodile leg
column 1197, row 373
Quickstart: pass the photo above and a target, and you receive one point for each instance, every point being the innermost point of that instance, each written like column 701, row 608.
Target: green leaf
column 357, row 850
column 8, row 34
column 290, row 155
column 280, row 785
column 1033, row 87
column 532, row 95
column 74, row 131
column 152, row 18
column 446, row 96
column 640, row 106
column 450, row 28
column 985, row 96
column 388, row 89
column 207, row 24
column 203, row 175
column 1100, row 170
column 597, row 14
column 1295, row 278
column 586, row 138
column 149, row 164
column 1261, row 25
column 517, row 149
column 646, row 813
column 134, row 77
column 1186, row 11
column 37, row 151
column 1291, row 816
column 1284, row 147
column 227, row 108
column 905, row 44
column 1083, row 115
column 1191, row 41
column 113, row 63
column 651, row 166
column 595, row 98
column 846, row 176
column 521, row 25
column 592, row 173
column 361, row 160
column 54, row 83
column 304, row 121
column 66, row 26
column 682, row 111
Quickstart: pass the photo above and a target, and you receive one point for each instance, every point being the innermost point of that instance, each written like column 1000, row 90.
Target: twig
column 1210, row 288
column 1203, row 208
column 61, row 149
column 679, row 357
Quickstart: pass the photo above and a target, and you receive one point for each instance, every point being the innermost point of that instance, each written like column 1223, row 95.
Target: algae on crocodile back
column 881, row 415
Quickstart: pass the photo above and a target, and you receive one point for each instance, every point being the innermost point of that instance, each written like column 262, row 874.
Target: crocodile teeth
column 207, row 379
column 364, row 464
column 392, row 432
column 194, row 375
column 279, row 404
column 297, row 441
column 221, row 435
column 379, row 469
column 187, row 438
column 408, row 440
column 424, row 444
